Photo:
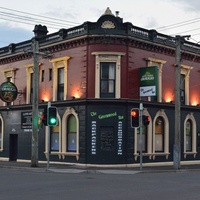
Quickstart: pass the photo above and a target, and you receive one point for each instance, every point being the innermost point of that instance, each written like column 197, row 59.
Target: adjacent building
column 96, row 74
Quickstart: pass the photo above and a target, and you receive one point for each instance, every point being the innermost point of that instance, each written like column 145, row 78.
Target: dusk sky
column 171, row 17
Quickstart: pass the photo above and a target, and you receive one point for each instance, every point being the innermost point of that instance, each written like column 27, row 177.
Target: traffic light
column 52, row 116
column 146, row 119
column 40, row 119
column 135, row 118
column 44, row 116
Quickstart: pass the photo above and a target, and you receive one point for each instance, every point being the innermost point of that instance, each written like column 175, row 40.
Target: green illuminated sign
column 106, row 116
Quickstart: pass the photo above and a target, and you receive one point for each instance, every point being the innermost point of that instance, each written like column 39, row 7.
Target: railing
column 127, row 29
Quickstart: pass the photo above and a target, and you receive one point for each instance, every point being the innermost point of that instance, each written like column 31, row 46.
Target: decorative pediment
column 108, row 25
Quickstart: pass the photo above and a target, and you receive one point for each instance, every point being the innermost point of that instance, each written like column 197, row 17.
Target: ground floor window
column 159, row 134
column 71, row 133
column 55, row 138
column 144, row 139
column 189, row 135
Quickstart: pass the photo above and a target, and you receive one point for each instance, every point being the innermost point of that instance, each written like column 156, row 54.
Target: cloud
column 13, row 35
column 189, row 6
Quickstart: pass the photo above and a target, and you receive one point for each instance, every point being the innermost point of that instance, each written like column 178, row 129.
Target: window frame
column 2, row 133
column 42, row 75
column 159, row 125
column 29, row 73
column 107, row 94
column 185, row 70
column 53, row 152
column 165, row 152
column 148, row 138
column 114, row 57
column 59, row 63
column 69, row 111
column 69, row 132
column 159, row 63
column 193, row 152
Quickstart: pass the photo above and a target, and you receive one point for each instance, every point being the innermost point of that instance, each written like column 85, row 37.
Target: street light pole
column 34, row 153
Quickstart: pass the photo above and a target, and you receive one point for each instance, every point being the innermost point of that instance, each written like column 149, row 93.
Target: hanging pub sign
column 148, row 81
column 8, row 92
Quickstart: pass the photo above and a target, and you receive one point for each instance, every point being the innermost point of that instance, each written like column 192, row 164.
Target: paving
column 111, row 169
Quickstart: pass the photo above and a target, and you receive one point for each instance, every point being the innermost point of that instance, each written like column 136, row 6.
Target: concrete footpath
column 109, row 169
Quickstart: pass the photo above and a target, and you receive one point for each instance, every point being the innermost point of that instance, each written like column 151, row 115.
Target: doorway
column 13, row 147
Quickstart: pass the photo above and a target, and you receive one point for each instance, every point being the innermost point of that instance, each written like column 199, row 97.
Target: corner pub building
column 95, row 76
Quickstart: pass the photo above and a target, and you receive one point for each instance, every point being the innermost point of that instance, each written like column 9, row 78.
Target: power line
column 11, row 15
column 179, row 24
column 41, row 16
column 29, row 20
column 189, row 31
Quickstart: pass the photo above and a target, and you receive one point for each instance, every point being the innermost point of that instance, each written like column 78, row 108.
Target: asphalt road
column 18, row 184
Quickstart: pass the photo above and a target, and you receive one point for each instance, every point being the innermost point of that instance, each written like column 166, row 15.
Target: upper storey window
column 108, row 74
column 159, row 63
column 184, row 85
column 107, row 80
column 60, row 78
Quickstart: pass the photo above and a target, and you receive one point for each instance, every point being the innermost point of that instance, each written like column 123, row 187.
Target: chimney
column 117, row 13
column 40, row 31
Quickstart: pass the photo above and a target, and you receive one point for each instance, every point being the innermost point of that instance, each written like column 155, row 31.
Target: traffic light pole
column 48, row 140
column 141, row 113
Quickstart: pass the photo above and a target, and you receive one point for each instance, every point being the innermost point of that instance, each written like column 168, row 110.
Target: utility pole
column 177, row 136
column 34, row 153
column 141, row 143
column 39, row 31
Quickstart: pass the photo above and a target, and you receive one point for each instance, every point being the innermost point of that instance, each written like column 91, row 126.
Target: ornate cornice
column 14, row 58
column 101, row 39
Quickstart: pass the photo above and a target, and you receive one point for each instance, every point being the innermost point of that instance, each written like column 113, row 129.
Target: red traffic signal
column 44, row 116
column 146, row 119
column 135, row 118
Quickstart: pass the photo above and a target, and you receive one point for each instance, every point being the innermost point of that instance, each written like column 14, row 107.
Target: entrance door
column 13, row 147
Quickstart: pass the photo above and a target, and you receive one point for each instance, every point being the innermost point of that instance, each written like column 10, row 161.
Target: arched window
column 55, row 138
column 189, row 135
column 71, row 133
column 159, row 135
column 146, row 138
column 1, row 132
column 190, row 138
